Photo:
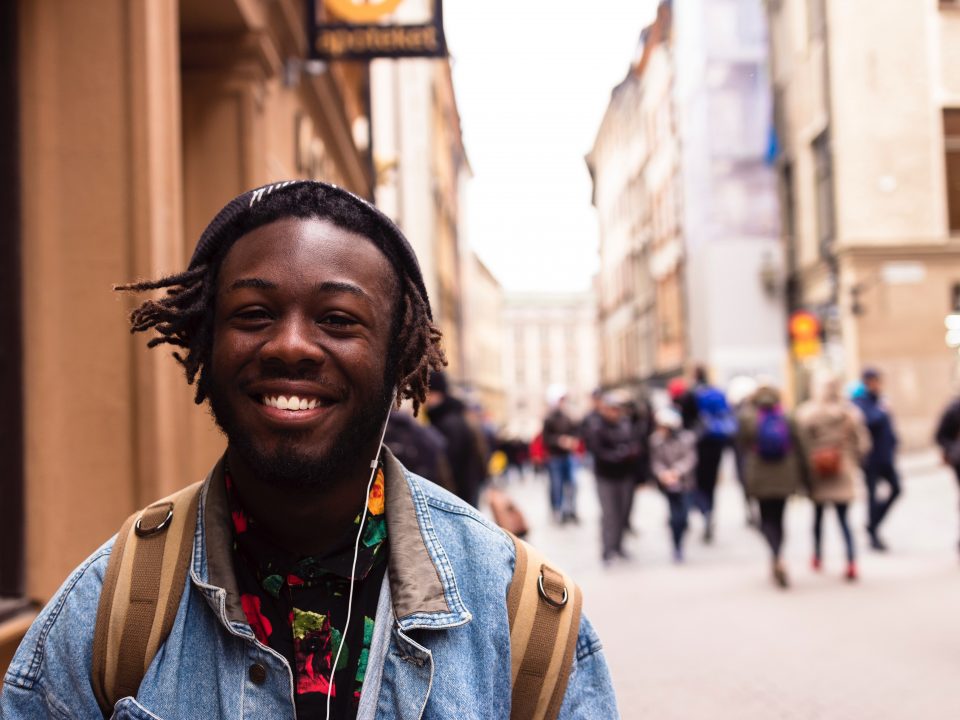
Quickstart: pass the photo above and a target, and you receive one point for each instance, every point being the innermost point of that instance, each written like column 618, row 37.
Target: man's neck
column 302, row 521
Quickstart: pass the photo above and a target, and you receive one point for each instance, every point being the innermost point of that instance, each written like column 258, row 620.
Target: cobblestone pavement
column 714, row 639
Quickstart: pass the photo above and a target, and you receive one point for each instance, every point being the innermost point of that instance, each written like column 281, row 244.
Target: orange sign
column 804, row 326
column 805, row 333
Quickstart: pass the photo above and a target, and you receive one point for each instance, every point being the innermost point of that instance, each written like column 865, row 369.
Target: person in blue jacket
column 878, row 464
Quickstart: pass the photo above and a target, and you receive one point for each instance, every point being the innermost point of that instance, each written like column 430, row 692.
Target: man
column 948, row 436
column 560, row 439
column 465, row 449
column 878, row 464
column 303, row 316
column 716, row 427
column 615, row 450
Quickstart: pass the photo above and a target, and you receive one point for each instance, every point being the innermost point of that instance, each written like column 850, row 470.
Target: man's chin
column 288, row 468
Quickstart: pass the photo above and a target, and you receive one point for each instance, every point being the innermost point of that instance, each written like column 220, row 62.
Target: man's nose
column 295, row 340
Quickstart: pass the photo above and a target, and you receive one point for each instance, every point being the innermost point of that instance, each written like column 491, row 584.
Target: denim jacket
column 441, row 646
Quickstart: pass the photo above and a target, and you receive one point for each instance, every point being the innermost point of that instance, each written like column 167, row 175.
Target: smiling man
column 324, row 580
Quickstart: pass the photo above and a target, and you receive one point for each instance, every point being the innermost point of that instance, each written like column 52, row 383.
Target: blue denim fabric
column 563, row 489
column 439, row 665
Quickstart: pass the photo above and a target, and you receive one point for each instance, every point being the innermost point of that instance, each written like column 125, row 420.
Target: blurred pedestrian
column 773, row 466
column 834, row 438
column 948, row 436
column 716, row 427
column 673, row 458
column 465, row 452
column 611, row 441
column 684, row 401
column 879, row 465
column 740, row 392
column 421, row 449
column 561, row 439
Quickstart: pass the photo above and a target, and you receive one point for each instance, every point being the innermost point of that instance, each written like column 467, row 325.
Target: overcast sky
column 532, row 81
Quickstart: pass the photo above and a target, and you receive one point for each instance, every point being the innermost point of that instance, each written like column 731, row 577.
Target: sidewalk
column 714, row 639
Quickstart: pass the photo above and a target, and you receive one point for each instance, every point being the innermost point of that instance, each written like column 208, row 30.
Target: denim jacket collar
column 423, row 588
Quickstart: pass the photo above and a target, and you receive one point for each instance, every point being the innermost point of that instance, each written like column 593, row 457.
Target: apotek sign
column 356, row 30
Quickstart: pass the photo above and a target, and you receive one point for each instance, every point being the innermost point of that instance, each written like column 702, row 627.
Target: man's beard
column 288, row 467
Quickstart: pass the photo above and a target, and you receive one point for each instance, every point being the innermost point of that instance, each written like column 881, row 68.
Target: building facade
column 869, row 171
column 634, row 165
column 730, row 212
column 549, row 339
column 422, row 170
column 483, row 339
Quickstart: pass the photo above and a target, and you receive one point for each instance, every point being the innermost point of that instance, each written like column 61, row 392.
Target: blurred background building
column 549, row 339
column 483, row 339
column 730, row 211
column 687, row 205
column 868, row 120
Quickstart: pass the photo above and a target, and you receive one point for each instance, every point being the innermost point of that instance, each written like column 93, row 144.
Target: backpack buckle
column 546, row 596
column 151, row 515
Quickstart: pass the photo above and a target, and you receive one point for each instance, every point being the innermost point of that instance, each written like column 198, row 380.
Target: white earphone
column 356, row 549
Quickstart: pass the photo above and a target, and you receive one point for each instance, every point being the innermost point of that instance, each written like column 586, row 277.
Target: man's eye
column 252, row 314
column 338, row 321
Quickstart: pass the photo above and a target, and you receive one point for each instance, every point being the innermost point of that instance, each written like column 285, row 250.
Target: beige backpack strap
column 141, row 593
column 543, row 606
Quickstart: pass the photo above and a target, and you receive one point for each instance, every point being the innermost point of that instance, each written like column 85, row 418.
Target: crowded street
column 713, row 638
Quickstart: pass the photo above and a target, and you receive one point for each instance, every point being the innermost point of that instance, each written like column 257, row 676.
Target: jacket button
column 258, row 674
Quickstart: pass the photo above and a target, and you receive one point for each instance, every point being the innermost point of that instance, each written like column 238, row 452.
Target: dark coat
column 464, row 448
column 613, row 447
column 880, row 424
column 558, row 423
column 421, row 449
column 948, row 434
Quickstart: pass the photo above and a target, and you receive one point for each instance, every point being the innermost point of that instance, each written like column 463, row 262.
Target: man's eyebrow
column 252, row 282
column 335, row 286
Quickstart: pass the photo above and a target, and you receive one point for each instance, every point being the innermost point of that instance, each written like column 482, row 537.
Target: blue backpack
column 717, row 421
column 773, row 435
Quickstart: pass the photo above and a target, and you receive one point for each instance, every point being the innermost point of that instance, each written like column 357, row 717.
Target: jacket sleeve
column 589, row 692
column 948, row 429
column 49, row 676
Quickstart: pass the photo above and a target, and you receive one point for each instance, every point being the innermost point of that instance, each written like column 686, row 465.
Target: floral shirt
column 297, row 605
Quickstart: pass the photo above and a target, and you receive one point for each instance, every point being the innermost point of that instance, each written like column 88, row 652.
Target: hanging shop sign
column 359, row 30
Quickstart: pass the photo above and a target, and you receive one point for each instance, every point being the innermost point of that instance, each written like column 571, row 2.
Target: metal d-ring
column 549, row 600
column 160, row 527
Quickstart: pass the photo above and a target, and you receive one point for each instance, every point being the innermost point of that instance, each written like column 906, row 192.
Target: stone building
column 549, row 339
column 868, row 120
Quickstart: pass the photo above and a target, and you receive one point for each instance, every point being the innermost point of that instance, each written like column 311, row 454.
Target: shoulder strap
column 543, row 606
column 141, row 593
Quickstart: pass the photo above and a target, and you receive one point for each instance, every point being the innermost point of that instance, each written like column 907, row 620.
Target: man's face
column 873, row 384
column 303, row 317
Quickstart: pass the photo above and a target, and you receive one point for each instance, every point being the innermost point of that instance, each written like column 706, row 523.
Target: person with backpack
column 310, row 574
column 947, row 436
column 673, row 457
column 834, row 438
column 716, row 427
column 773, row 467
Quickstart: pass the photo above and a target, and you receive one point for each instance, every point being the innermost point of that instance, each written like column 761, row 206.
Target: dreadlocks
column 183, row 317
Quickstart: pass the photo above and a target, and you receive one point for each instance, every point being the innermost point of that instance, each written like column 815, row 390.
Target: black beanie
column 223, row 229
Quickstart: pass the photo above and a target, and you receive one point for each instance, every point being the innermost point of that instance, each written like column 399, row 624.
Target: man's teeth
column 282, row 402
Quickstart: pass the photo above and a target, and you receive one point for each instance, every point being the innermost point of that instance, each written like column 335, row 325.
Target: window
column 823, row 177
column 951, row 142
